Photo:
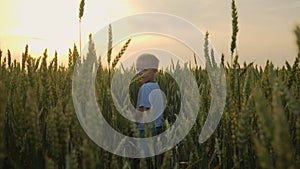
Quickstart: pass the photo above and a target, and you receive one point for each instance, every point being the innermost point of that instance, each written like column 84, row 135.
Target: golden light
column 53, row 24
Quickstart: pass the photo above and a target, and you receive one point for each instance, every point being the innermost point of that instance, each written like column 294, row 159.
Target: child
column 149, row 103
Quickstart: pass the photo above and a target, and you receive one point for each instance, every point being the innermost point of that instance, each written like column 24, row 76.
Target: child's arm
column 141, row 110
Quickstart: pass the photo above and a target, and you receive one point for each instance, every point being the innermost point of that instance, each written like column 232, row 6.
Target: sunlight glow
column 54, row 24
column 266, row 34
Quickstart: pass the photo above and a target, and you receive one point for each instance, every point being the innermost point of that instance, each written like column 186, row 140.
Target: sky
column 265, row 26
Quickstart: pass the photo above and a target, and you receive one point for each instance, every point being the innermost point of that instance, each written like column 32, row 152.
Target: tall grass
column 260, row 127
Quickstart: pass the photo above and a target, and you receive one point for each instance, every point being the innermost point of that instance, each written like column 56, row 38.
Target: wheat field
column 260, row 125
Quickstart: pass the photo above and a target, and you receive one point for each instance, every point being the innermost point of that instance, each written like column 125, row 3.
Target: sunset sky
column 266, row 26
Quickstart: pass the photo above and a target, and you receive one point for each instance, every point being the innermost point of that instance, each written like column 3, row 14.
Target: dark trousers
column 151, row 162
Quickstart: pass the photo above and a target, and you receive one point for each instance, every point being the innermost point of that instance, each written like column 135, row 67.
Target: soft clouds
column 265, row 25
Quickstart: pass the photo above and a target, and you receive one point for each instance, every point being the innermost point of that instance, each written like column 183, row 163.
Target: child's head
column 147, row 65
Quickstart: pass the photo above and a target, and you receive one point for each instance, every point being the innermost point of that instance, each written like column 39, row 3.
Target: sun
column 54, row 24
